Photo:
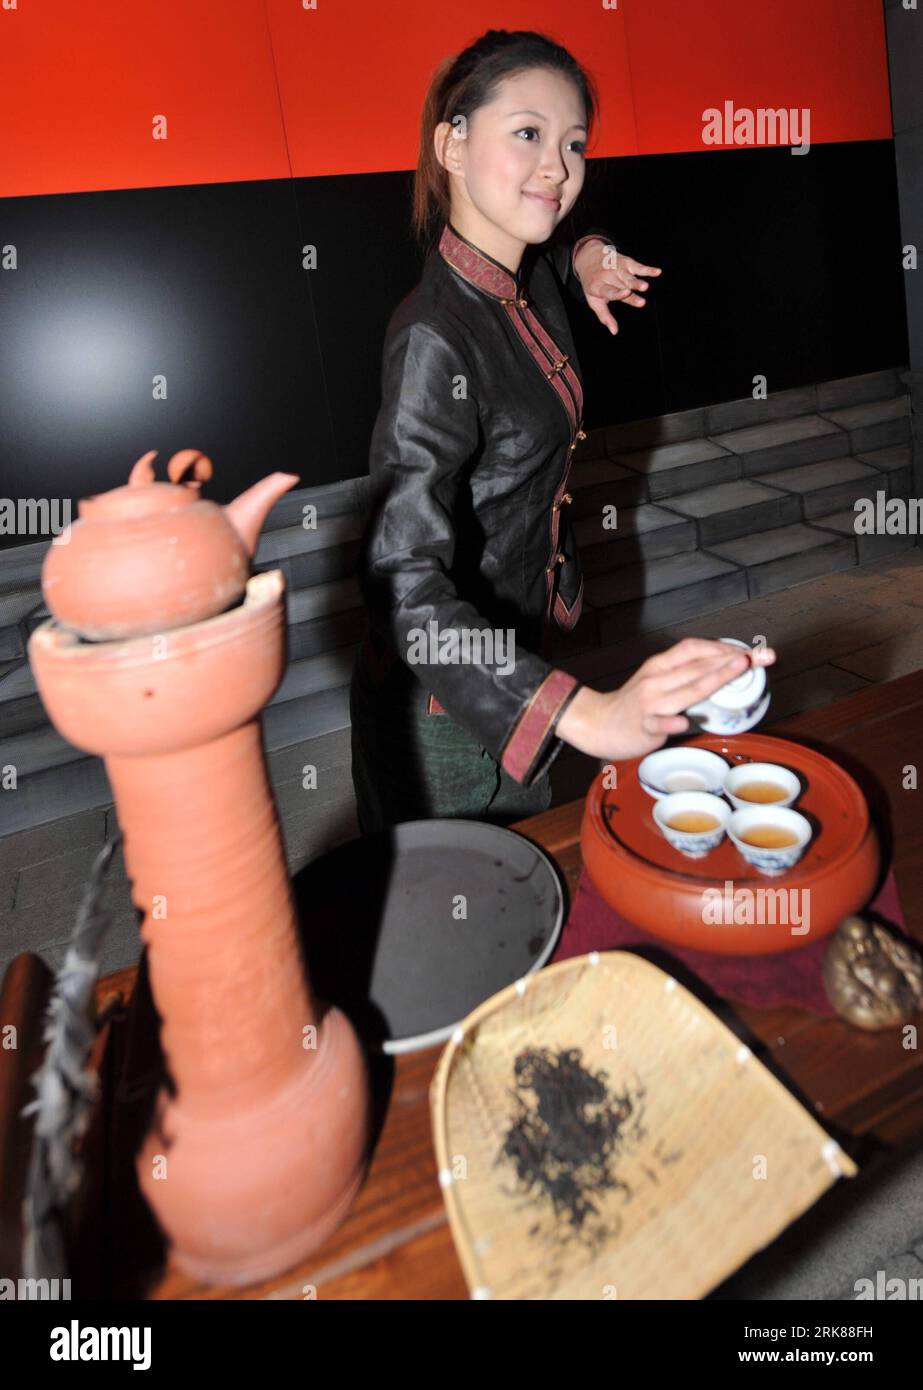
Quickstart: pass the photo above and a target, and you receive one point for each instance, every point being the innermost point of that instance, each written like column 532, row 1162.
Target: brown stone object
column 873, row 977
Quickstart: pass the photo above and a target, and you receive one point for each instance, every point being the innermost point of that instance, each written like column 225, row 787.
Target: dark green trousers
column 411, row 765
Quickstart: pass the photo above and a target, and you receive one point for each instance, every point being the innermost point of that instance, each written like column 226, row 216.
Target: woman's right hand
column 638, row 718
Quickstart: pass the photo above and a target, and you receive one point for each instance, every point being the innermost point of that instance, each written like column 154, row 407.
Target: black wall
column 773, row 263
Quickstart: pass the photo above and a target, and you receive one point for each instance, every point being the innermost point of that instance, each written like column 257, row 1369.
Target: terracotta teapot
column 150, row 555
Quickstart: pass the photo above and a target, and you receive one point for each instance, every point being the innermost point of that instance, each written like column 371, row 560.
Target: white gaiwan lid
column 744, row 690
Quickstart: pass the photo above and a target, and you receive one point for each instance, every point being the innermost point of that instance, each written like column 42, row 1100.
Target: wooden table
column 867, row 1089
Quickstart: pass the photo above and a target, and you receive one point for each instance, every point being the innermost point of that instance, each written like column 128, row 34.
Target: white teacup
column 769, row 860
column 693, row 843
column 744, row 773
column 682, row 770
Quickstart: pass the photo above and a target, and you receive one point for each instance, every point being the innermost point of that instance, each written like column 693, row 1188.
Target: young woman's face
column 528, row 142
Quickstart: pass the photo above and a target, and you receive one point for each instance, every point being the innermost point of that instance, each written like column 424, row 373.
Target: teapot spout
column 248, row 512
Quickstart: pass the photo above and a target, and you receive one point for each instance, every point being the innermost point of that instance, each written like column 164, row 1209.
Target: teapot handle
column 143, row 471
column 179, row 463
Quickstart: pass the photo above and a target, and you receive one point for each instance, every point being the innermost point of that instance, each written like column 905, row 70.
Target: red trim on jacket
column 568, row 618
column 525, row 742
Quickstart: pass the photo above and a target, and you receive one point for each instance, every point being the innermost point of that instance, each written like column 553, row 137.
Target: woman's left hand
column 603, row 282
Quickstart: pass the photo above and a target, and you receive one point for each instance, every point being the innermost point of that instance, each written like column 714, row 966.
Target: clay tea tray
column 661, row 890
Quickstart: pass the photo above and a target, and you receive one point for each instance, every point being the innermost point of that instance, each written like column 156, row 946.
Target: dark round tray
column 384, row 937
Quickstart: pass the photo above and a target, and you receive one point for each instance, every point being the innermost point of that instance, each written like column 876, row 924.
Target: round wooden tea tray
column 651, row 884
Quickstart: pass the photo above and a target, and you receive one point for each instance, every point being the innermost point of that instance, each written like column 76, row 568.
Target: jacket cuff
column 582, row 241
column 533, row 746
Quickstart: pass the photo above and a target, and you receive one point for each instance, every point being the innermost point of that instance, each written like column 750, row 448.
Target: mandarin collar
column 477, row 267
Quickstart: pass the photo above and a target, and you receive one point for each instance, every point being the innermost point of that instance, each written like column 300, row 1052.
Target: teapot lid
column 143, row 496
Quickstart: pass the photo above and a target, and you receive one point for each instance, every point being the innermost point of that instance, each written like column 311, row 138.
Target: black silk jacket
column 468, row 539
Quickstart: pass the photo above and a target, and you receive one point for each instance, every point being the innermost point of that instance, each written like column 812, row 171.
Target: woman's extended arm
column 639, row 717
column 518, row 706
column 562, row 255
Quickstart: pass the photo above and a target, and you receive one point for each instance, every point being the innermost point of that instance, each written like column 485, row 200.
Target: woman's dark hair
column 472, row 79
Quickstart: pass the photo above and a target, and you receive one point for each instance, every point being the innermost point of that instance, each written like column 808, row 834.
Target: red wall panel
column 353, row 76
column 262, row 89
column 827, row 55
column 80, row 84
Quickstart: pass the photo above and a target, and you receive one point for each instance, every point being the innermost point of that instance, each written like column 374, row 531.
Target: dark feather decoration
column 66, row 1090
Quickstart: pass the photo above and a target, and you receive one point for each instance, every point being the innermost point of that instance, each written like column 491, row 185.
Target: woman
column 468, row 554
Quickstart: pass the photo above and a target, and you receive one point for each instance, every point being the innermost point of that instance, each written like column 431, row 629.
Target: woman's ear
column 446, row 140
column 440, row 136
